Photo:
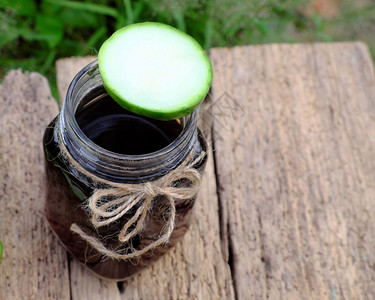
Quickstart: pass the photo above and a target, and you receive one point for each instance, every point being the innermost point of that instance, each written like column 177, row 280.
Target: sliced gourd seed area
column 155, row 70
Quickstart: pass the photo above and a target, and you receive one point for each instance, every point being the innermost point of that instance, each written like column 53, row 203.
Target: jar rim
column 71, row 110
column 116, row 166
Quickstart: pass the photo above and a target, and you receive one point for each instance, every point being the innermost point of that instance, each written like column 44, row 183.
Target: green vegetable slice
column 155, row 70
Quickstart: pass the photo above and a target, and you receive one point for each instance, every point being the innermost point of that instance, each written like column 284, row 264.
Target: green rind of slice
column 155, row 70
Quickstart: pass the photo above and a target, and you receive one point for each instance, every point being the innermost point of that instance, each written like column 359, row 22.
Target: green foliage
column 36, row 33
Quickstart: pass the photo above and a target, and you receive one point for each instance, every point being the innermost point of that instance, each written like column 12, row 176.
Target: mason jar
column 96, row 149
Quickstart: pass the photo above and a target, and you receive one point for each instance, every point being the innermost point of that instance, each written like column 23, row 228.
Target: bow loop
column 110, row 204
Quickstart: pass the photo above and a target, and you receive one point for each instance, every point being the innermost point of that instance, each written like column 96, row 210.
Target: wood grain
column 294, row 155
column 195, row 269
column 34, row 266
column 295, row 158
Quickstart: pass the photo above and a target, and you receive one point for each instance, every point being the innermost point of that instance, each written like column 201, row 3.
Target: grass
column 36, row 33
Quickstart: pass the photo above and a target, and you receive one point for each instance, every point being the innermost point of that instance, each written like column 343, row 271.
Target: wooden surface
column 34, row 265
column 285, row 210
column 296, row 171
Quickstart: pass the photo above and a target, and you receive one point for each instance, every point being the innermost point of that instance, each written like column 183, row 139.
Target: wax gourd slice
column 155, row 70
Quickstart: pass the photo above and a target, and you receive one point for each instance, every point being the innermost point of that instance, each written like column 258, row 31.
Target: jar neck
column 110, row 165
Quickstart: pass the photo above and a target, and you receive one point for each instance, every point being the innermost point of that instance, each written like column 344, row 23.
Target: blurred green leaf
column 86, row 6
column 180, row 19
column 94, row 39
column 9, row 35
column 78, row 19
column 27, row 63
column 208, row 34
column 48, row 61
column 261, row 26
column 138, row 7
column 21, row 7
column 129, row 12
column 50, row 29
column 70, row 47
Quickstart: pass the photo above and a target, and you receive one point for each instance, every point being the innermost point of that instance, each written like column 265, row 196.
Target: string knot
column 107, row 205
column 150, row 190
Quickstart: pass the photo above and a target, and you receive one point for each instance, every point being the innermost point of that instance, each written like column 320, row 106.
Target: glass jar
column 68, row 188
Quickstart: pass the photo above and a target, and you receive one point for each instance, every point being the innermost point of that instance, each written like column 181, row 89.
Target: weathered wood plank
column 34, row 265
column 195, row 269
column 296, row 169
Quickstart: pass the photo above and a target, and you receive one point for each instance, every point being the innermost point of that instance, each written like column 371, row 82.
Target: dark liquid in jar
column 113, row 128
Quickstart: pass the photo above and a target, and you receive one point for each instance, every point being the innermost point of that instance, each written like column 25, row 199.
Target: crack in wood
column 121, row 287
column 224, row 234
column 264, row 258
column 231, row 263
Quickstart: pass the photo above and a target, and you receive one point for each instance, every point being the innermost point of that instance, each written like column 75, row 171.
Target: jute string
column 107, row 205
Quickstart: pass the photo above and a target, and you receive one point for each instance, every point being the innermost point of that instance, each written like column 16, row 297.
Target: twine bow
column 125, row 197
column 107, row 205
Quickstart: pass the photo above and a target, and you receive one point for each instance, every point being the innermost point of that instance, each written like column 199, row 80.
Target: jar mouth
column 98, row 158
